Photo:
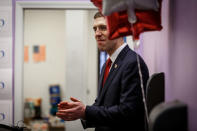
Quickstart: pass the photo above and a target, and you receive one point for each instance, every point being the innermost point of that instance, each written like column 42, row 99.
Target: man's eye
column 94, row 28
column 103, row 27
column 100, row 28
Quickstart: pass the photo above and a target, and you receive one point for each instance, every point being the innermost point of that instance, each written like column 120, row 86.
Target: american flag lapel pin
column 115, row 66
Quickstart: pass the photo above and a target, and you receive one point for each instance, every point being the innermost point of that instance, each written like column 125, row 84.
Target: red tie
column 108, row 65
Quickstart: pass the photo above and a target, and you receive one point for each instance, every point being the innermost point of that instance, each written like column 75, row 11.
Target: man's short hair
column 98, row 14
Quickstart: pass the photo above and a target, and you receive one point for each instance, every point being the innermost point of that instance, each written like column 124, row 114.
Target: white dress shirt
column 116, row 53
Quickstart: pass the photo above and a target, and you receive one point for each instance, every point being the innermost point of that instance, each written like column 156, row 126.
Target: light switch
column 2, row 85
column 2, row 53
column 2, row 116
column 5, row 53
column 5, row 84
column 6, row 114
column 5, row 22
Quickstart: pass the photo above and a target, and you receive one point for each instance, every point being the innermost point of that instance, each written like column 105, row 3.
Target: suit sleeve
column 131, row 104
column 90, row 124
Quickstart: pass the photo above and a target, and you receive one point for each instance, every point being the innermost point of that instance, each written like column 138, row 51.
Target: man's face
column 101, row 35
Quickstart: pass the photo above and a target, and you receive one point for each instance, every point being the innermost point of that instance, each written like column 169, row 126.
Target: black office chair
column 155, row 92
column 8, row 128
column 170, row 116
column 12, row 128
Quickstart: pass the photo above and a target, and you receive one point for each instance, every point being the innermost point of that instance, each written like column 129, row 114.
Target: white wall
column 174, row 50
column 92, row 55
column 44, row 27
column 71, row 56
column 81, row 60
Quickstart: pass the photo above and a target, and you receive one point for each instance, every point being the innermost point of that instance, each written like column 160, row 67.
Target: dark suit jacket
column 119, row 105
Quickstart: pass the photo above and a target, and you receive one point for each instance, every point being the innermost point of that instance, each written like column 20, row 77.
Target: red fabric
column 108, row 65
column 119, row 25
column 97, row 3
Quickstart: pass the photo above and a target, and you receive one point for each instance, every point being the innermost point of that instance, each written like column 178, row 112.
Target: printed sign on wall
column 39, row 53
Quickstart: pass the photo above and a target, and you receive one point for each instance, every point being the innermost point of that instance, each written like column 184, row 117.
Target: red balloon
column 119, row 26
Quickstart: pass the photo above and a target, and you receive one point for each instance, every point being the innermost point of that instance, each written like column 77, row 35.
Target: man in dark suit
column 119, row 105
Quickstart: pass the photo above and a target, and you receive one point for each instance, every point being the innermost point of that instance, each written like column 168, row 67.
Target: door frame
column 19, row 42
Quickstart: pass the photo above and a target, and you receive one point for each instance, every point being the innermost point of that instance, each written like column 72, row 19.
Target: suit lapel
column 101, row 79
column 114, row 70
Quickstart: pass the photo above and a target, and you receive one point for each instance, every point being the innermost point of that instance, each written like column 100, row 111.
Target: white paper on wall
column 6, row 112
column 5, row 84
column 5, row 52
column 5, row 21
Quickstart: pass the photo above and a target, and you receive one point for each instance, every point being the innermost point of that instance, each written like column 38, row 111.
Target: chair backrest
column 7, row 128
column 155, row 92
column 13, row 128
column 169, row 116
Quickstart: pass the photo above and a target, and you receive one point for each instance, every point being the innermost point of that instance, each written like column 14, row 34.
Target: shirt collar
column 116, row 53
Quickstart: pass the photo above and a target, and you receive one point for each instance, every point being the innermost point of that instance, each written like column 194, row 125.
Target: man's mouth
column 100, row 40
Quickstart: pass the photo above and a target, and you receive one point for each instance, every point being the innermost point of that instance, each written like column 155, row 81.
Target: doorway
column 58, row 66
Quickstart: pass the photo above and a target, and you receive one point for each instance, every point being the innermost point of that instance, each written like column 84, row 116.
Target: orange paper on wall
column 26, row 53
column 42, row 53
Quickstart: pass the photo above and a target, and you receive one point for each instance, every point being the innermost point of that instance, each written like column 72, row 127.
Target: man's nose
column 98, row 32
